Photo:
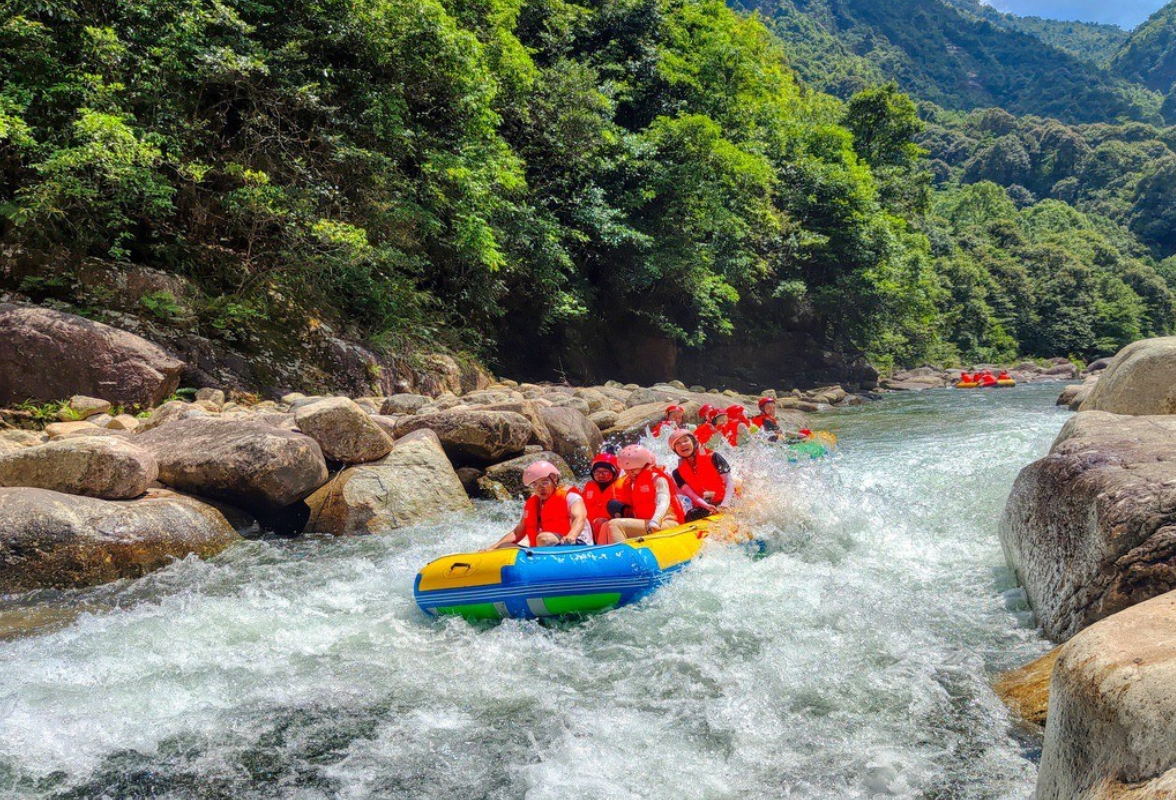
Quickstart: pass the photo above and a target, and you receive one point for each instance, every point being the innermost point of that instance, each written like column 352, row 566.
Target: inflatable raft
column 819, row 445
column 526, row 583
column 967, row 384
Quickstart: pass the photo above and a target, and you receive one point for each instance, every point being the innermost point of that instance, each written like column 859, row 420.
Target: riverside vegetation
column 542, row 183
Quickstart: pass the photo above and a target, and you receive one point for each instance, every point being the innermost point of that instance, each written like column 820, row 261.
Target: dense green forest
column 485, row 175
column 1149, row 56
column 1089, row 41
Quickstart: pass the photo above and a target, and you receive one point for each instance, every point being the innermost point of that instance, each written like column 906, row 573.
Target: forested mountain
column 1149, row 56
column 1090, row 41
column 940, row 53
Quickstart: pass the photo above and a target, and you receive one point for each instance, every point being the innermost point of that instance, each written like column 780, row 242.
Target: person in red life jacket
column 599, row 491
column 672, row 421
column 966, row 378
column 1004, row 375
column 647, row 496
column 704, row 477
column 707, row 430
column 737, row 427
column 766, row 420
column 987, row 378
column 553, row 514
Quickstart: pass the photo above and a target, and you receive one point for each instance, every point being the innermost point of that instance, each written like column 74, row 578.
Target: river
column 851, row 659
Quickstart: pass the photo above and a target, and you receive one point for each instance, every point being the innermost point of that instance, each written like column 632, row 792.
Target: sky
column 1125, row 13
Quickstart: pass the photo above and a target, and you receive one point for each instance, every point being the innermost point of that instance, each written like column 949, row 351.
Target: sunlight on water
column 851, row 658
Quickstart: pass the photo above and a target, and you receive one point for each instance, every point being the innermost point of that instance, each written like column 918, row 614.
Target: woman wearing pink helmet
column 648, row 494
column 702, row 476
column 553, row 515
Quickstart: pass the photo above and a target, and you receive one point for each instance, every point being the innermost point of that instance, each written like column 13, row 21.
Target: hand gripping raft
column 525, row 583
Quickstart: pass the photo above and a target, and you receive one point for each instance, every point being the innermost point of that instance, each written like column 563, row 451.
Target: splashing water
column 850, row 659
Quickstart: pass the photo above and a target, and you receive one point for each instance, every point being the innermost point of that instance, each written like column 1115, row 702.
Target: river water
column 852, row 659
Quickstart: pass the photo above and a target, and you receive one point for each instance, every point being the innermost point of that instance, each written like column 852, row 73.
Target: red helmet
column 672, row 409
column 634, row 457
column 706, row 411
column 763, row 401
column 736, row 411
column 606, row 460
column 718, row 412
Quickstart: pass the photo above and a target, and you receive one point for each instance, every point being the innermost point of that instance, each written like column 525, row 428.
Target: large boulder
column 246, row 463
column 49, row 539
column 509, row 474
column 1141, row 380
column 110, row 468
column 414, row 483
column 344, row 431
column 473, row 437
column 1091, row 528
column 47, row 355
column 1110, row 735
column 573, row 435
column 633, row 421
column 403, row 404
column 530, row 409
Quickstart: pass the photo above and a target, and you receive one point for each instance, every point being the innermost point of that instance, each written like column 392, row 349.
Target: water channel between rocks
column 852, row 659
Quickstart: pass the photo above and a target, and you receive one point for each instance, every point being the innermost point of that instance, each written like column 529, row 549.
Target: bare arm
column 579, row 513
column 511, row 539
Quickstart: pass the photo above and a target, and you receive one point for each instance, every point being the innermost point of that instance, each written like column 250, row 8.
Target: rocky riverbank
column 1090, row 531
column 93, row 493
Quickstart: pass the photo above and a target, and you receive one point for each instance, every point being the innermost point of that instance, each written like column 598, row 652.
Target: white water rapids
column 853, row 659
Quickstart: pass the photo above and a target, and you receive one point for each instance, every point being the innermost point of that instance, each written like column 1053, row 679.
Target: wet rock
column 107, row 468
column 414, row 483
column 49, row 539
column 344, row 431
column 573, row 436
column 1026, row 690
column 469, row 479
column 1110, row 733
column 46, row 355
column 1141, row 380
column 492, row 490
column 1091, row 528
column 473, row 437
column 510, row 473
column 633, row 421
column 249, row 464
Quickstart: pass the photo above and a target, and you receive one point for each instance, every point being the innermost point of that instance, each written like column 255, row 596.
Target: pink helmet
column 679, row 435
column 538, row 471
column 634, row 457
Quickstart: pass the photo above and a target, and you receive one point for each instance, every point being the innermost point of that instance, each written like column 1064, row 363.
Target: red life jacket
column 705, row 432
column 664, row 425
column 554, row 517
column 703, row 476
column 730, row 432
column 641, row 494
column 596, row 499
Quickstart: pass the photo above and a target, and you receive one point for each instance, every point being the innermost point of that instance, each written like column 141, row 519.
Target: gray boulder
column 509, row 474
column 344, row 431
column 110, row 468
column 1109, row 732
column 82, row 407
column 1141, row 380
column 473, row 437
column 246, row 463
column 413, row 484
column 404, row 404
column 573, row 435
column 1091, row 528
column 49, row 539
column 170, row 412
column 604, row 420
column 47, row 355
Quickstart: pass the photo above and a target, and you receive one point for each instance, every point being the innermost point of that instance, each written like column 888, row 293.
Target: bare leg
column 547, row 540
column 621, row 530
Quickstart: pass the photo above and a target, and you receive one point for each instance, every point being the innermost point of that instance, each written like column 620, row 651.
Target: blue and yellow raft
column 526, row 583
